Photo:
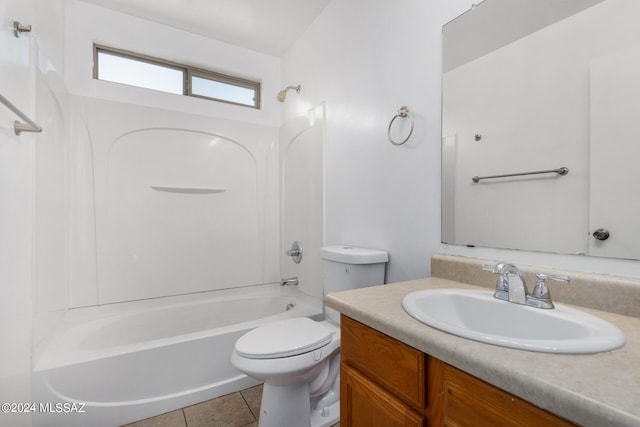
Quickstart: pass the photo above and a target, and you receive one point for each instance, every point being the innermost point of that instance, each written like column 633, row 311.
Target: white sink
column 479, row 316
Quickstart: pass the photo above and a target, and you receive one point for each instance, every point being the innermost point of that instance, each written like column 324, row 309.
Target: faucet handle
column 542, row 280
column 541, row 290
column 500, row 268
column 557, row 278
column 491, row 268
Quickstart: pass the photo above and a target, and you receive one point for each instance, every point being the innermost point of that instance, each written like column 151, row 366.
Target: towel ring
column 402, row 112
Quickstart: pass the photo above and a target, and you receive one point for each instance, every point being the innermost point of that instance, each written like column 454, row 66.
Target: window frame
column 188, row 72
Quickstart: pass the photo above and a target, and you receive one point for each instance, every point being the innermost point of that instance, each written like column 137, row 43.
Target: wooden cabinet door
column 363, row 403
column 396, row 366
column 470, row 402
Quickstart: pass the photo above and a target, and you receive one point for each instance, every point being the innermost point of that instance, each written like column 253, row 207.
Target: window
column 138, row 70
column 121, row 69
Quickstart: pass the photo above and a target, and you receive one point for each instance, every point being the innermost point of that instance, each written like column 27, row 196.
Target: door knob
column 601, row 234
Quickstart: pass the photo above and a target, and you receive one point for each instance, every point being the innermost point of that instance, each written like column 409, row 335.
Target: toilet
column 299, row 359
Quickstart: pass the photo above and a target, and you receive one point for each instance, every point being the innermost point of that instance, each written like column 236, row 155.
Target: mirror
column 533, row 89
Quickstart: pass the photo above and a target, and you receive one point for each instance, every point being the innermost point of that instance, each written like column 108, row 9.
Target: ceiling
column 267, row 26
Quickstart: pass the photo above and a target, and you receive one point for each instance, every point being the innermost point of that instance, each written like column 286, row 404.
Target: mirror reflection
column 547, row 86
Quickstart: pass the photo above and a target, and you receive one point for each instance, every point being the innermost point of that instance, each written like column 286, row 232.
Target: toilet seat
column 284, row 338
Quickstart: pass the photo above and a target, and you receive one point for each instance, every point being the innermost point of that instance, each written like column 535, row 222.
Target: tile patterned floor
column 239, row 409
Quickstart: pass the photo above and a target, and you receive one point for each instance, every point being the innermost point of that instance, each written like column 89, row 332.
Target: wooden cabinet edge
column 435, row 392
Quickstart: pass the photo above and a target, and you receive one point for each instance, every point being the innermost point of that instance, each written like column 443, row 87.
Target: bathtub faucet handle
column 289, row 281
column 295, row 252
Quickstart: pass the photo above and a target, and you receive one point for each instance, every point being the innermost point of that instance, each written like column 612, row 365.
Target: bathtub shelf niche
column 187, row 190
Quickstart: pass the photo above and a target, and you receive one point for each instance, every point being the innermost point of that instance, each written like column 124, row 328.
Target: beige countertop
column 592, row 390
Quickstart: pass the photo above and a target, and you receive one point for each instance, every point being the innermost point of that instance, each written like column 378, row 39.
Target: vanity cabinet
column 385, row 382
column 382, row 380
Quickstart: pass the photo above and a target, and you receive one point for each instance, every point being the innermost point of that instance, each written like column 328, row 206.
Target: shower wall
column 168, row 194
column 31, row 67
column 167, row 203
column 302, row 189
column 16, row 215
column 50, row 255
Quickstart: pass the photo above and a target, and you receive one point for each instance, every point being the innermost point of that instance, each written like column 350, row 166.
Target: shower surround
column 174, row 252
column 172, row 203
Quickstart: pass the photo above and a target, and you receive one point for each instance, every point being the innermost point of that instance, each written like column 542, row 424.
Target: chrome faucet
column 289, row 281
column 511, row 286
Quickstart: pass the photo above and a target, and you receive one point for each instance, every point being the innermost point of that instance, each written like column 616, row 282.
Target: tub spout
column 289, row 281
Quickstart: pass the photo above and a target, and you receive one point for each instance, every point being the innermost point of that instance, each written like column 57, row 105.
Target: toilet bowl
column 299, row 359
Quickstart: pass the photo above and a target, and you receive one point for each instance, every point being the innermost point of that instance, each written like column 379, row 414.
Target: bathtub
column 110, row 365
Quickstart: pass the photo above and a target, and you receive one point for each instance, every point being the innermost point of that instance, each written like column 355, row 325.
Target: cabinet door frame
column 387, row 409
column 396, row 366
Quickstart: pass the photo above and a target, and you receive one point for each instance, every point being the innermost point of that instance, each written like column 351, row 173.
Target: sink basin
column 477, row 315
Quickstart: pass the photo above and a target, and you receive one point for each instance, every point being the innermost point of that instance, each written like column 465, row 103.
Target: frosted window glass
column 222, row 91
column 139, row 73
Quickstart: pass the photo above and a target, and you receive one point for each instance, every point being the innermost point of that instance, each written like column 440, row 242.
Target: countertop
column 592, row 390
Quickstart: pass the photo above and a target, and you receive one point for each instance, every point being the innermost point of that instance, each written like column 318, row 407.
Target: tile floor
column 239, row 409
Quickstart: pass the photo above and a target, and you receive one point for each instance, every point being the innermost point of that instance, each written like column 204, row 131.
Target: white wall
column 32, row 250
column 16, row 214
column 24, row 66
column 366, row 59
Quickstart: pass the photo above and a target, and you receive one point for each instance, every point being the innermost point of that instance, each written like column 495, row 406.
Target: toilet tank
column 348, row 267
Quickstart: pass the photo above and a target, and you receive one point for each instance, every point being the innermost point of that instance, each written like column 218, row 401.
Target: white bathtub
column 124, row 362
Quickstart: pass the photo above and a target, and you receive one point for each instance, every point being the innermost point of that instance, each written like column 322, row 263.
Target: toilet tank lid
column 352, row 255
